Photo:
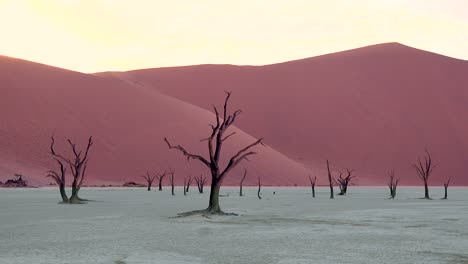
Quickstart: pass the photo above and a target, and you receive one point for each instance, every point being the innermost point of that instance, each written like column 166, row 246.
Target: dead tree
column 330, row 181
column 424, row 170
column 215, row 144
column 77, row 165
column 446, row 185
column 185, row 190
column 392, row 184
column 59, row 179
column 242, row 182
column 312, row 184
column 189, row 182
column 343, row 182
column 200, row 183
column 160, row 178
column 259, row 188
column 171, row 172
column 149, row 180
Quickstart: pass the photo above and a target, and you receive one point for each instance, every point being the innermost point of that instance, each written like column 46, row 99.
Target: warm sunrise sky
column 99, row 35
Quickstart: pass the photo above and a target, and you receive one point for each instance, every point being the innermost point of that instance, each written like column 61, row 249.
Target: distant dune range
column 371, row 109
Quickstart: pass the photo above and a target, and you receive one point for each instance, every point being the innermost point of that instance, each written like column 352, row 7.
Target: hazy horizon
column 119, row 35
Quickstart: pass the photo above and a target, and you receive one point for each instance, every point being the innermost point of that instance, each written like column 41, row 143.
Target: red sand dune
column 371, row 109
column 128, row 123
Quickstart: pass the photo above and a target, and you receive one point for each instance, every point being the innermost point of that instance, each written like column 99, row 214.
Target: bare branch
column 186, row 153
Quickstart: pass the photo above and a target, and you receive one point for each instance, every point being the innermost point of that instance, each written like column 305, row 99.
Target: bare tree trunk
column 63, row 194
column 392, row 184
column 77, row 165
column 446, row 185
column 215, row 143
column 242, row 182
column 200, row 183
column 160, row 180
column 188, row 184
column 424, row 170
column 259, row 188
column 426, row 191
column 312, row 184
column 171, row 172
column 185, row 189
column 149, row 180
column 60, row 180
column 213, row 205
column 330, row 181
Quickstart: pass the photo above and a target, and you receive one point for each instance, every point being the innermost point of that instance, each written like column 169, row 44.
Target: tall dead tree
column 200, row 183
column 215, row 144
column 160, row 177
column 424, row 169
column 149, row 180
column 330, row 181
column 242, row 182
column 59, row 178
column 446, row 185
column 312, row 184
column 392, row 184
column 189, row 182
column 259, row 188
column 343, row 182
column 171, row 172
column 77, row 165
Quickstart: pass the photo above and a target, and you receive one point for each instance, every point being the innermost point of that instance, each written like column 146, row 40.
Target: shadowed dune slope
column 372, row 109
column 128, row 123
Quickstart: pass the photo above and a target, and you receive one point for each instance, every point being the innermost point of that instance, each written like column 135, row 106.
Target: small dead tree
column 160, row 177
column 446, row 185
column 343, row 182
column 424, row 169
column 200, row 183
column 215, row 144
column 242, row 182
column 77, row 165
column 189, row 182
column 149, row 180
column 185, row 190
column 312, row 184
column 259, row 188
column 171, row 172
column 330, row 181
column 392, row 184
column 59, row 179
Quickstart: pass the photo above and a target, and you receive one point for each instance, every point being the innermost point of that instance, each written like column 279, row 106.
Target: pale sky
column 102, row 35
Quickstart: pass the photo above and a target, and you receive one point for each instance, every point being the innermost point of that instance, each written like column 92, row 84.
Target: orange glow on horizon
column 102, row 35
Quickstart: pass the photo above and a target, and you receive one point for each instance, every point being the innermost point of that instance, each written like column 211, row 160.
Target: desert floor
column 136, row 226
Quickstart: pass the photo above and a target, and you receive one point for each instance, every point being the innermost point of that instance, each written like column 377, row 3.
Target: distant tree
column 392, row 184
column 185, row 186
column 59, row 178
column 171, row 172
column 241, row 182
column 312, row 184
column 215, row 143
column 189, row 182
column 446, row 185
column 200, row 183
column 424, row 169
column 259, row 188
column 77, row 164
column 160, row 177
column 149, row 180
column 330, row 181
column 343, row 182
